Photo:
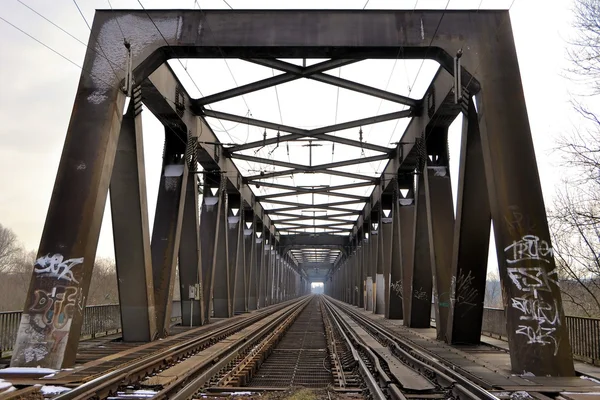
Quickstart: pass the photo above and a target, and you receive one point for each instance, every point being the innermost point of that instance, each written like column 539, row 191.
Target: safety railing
column 584, row 333
column 100, row 320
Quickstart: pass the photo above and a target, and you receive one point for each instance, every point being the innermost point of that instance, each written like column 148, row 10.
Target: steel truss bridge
column 390, row 252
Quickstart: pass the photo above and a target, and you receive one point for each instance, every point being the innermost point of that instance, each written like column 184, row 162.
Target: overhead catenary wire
column 110, row 64
column 55, row 52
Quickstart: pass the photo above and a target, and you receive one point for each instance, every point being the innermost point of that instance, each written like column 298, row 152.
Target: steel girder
column 78, row 200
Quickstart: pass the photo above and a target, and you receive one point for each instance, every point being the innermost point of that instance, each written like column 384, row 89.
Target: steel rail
column 175, row 392
column 369, row 379
column 113, row 378
column 463, row 385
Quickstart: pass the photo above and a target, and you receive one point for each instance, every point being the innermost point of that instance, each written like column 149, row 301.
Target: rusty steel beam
column 131, row 232
column 471, row 238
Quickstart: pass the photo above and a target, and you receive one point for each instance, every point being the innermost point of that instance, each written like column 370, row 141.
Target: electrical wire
column 110, row 64
column 55, row 52
column 117, row 21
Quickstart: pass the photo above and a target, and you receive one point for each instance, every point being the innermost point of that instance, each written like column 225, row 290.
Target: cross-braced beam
column 317, row 133
column 269, row 82
column 333, row 80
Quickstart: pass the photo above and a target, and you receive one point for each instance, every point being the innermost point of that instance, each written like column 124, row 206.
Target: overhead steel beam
column 317, row 206
column 269, row 82
column 321, row 240
column 330, row 190
column 325, row 229
column 314, row 168
column 319, row 133
column 341, row 223
column 334, row 217
column 374, row 180
column 333, row 80
column 156, row 90
column 306, row 205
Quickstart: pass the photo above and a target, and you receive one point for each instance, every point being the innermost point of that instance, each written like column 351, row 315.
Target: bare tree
column 493, row 293
column 575, row 215
column 9, row 247
column 585, row 46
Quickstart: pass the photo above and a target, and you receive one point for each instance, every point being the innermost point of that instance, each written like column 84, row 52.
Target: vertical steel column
column 210, row 227
column 166, row 234
column 131, row 232
column 440, row 220
column 471, row 238
column 261, row 265
column 252, row 248
column 421, row 285
column 221, row 292
column 388, row 214
column 375, row 252
column 190, row 255
column 537, row 334
column 61, row 275
column 371, row 242
column 234, row 238
column 358, row 256
column 405, row 229
column 242, row 277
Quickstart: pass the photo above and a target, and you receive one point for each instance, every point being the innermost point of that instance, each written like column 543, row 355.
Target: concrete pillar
column 471, row 238
column 235, row 235
column 211, row 225
column 131, row 233
column 190, row 258
column 421, row 285
column 440, row 218
column 166, row 233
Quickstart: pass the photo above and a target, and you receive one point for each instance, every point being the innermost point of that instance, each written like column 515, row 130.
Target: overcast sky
column 38, row 90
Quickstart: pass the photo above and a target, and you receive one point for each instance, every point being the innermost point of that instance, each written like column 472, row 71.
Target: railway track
column 314, row 342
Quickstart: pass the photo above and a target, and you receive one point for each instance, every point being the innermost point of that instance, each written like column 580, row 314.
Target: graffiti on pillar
column 54, row 310
column 539, row 318
column 420, row 294
column 517, row 223
column 49, row 319
column 56, row 266
column 530, row 247
column 533, row 279
column 462, row 291
column 397, row 288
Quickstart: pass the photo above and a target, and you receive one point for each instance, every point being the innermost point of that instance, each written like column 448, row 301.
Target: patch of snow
column 240, row 393
column 4, row 385
column 27, row 370
column 589, row 378
column 49, row 390
column 521, row 395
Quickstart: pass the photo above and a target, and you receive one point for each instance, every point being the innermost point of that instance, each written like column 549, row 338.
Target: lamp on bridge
column 234, row 218
column 387, row 217
column 213, row 198
column 374, row 227
column 258, row 237
column 248, row 230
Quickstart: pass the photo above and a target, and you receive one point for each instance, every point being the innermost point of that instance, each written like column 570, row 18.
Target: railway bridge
column 246, row 259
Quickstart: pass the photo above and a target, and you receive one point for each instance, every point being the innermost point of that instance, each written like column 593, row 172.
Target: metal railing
column 98, row 321
column 584, row 333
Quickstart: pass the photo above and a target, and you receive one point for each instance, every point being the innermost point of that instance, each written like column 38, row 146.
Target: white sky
column 38, row 89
